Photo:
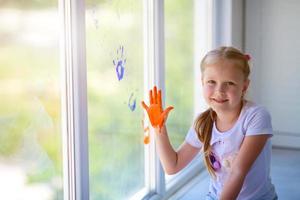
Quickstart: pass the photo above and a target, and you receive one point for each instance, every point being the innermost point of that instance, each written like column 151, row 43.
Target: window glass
column 179, row 67
column 179, row 59
column 114, row 36
column 30, row 137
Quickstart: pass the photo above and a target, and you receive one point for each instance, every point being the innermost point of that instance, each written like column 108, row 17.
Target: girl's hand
column 156, row 114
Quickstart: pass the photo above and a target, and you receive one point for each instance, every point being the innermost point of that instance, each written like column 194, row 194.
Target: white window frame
column 228, row 23
column 74, row 100
column 153, row 75
column 74, row 95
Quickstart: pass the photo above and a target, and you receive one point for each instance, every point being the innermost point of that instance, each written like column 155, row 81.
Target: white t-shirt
column 253, row 120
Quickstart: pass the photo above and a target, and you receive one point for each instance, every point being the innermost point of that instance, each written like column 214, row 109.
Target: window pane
column 179, row 67
column 30, row 140
column 114, row 34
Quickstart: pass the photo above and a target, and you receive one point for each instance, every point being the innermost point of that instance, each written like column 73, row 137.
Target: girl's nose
column 221, row 88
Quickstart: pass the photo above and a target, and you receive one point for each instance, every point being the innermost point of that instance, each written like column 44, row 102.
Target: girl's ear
column 246, row 85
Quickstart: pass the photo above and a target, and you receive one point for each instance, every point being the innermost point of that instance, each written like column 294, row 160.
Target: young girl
column 234, row 134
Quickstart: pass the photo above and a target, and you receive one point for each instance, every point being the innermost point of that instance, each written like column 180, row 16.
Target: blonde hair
column 204, row 122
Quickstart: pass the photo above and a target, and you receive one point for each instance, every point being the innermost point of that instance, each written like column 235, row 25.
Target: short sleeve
column 192, row 138
column 259, row 122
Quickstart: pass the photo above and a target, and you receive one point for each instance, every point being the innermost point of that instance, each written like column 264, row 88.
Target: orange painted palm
column 156, row 114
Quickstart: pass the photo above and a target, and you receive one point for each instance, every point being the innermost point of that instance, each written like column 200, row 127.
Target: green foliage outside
column 25, row 4
column 30, row 129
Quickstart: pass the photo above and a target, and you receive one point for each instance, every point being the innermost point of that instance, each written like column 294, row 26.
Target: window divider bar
column 227, row 22
column 148, row 62
column 153, row 75
column 74, row 100
column 203, row 29
column 159, row 79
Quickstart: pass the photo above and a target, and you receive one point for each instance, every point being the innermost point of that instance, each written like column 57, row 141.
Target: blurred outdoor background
column 30, row 139
column 30, row 129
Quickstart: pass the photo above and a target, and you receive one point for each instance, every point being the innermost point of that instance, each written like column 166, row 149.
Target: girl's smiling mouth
column 220, row 100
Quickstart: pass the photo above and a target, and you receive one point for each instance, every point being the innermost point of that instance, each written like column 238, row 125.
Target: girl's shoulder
column 256, row 119
column 252, row 109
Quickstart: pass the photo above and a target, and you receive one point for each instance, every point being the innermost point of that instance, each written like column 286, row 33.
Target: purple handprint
column 131, row 103
column 119, row 63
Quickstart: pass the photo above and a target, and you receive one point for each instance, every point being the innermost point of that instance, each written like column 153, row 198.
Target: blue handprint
column 119, row 63
column 131, row 103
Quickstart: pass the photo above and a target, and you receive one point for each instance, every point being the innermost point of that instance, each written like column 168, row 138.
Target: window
column 30, row 136
column 179, row 62
column 187, row 30
column 111, row 53
column 114, row 37
column 179, row 53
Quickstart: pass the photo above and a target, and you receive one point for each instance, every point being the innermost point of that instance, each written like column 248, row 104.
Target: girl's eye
column 230, row 83
column 211, row 82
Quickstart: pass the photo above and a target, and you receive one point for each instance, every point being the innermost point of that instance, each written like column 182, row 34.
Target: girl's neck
column 226, row 120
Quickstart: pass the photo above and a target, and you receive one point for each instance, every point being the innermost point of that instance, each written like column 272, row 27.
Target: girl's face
column 223, row 86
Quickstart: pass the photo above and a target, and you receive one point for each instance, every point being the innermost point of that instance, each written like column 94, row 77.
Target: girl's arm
column 173, row 161
column 249, row 151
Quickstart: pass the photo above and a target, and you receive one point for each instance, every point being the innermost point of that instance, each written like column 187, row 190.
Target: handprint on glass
column 132, row 102
column 95, row 20
column 119, row 63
